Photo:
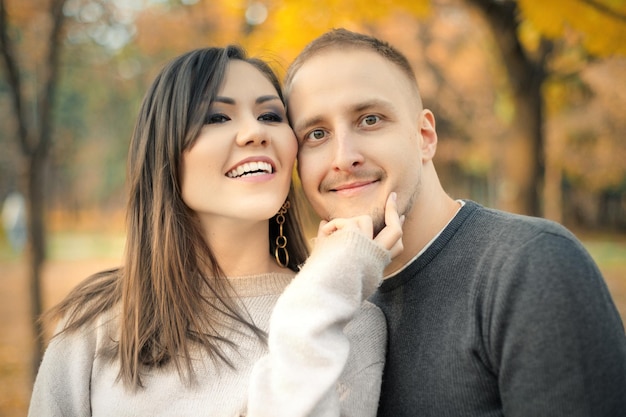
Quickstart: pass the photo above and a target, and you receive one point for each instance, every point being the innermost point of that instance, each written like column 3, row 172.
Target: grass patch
column 607, row 253
column 77, row 246
column 70, row 246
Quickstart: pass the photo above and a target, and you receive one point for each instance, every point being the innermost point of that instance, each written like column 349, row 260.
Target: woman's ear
column 429, row 135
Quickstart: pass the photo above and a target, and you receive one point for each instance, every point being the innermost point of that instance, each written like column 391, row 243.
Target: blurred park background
column 530, row 100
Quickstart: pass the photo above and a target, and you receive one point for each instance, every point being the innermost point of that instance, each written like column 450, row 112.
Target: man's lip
column 352, row 185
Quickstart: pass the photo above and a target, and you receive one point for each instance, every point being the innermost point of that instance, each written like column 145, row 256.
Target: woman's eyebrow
column 225, row 100
column 259, row 100
column 268, row 97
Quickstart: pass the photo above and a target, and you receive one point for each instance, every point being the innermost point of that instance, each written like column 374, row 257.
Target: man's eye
column 271, row 117
column 316, row 134
column 370, row 120
column 216, row 118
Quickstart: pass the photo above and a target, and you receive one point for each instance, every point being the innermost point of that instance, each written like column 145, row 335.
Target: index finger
column 391, row 234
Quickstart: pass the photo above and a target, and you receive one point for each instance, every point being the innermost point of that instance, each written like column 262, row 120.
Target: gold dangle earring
column 281, row 240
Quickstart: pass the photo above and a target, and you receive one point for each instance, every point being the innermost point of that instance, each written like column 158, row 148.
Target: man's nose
column 348, row 154
column 253, row 132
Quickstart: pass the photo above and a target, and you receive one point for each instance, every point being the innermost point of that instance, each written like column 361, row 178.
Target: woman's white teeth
column 251, row 168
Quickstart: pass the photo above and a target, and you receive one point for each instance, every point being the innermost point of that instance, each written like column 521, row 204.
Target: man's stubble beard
column 378, row 214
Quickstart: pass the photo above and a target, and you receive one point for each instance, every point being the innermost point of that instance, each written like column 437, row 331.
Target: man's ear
column 429, row 134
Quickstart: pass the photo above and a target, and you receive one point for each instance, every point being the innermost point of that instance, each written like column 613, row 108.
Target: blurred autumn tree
column 31, row 68
column 33, row 35
column 532, row 37
column 529, row 36
column 533, row 40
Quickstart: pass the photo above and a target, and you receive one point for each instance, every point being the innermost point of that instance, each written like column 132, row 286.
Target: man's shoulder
column 514, row 240
column 512, row 226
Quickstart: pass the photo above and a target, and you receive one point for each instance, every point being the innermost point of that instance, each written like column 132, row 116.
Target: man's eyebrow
column 307, row 123
column 259, row 100
column 372, row 104
column 356, row 108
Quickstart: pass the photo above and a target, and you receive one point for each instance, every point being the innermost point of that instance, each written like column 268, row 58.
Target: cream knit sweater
column 324, row 356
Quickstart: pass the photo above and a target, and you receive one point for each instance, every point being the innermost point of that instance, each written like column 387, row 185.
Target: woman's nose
column 253, row 132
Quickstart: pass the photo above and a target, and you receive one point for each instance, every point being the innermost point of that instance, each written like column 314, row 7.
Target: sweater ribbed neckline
column 261, row 284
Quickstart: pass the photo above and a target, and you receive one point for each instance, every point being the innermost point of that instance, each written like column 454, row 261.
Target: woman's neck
column 241, row 248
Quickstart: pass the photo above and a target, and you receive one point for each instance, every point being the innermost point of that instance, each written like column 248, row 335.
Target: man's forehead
column 332, row 68
column 328, row 71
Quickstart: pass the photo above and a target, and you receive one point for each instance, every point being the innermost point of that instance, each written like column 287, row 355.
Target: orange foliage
column 166, row 30
column 474, row 95
column 585, row 137
column 170, row 30
column 600, row 24
column 292, row 24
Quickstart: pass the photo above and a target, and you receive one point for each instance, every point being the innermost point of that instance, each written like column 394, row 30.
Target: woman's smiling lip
column 262, row 164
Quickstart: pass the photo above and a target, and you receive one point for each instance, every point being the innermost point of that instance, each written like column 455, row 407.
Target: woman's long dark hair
column 171, row 289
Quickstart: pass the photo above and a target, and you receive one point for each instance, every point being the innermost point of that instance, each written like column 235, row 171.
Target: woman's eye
column 316, row 134
column 370, row 120
column 271, row 117
column 216, row 118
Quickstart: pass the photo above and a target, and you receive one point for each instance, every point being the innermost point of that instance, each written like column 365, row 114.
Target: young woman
column 194, row 323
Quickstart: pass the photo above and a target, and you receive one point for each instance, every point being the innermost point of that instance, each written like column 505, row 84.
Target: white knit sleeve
column 308, row 348
column 62, row 385
column 360, row 382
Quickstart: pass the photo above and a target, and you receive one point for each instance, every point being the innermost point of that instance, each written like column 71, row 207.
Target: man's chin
column 378, row 217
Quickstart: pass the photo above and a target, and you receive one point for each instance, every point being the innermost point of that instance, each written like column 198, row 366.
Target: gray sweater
column 503, row 315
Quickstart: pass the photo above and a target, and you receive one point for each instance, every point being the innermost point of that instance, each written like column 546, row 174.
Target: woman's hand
column 390, row 237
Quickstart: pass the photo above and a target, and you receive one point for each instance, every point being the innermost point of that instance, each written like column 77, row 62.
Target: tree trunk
column 36, row 250
column 523, row 162
column 553, row 189
column 35, row 141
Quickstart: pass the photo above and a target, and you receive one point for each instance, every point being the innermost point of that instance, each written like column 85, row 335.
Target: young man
column 489, row 313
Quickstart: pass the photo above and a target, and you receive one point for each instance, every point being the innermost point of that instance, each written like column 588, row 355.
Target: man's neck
column 421, row 226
